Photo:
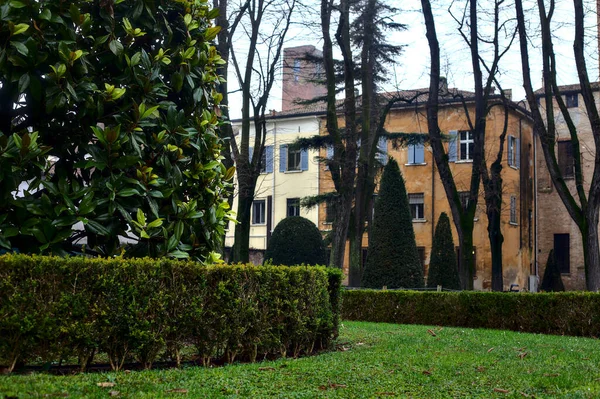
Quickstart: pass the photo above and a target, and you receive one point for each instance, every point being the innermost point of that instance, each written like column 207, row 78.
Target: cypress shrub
column 296, row 240
column 137, row 309
column 393, row 258
column 552, row 280
column 443, row 269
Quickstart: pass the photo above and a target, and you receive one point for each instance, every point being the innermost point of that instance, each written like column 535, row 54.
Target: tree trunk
column 591, row 251
column 496, row 239
column 241, row 245
column 466, row 265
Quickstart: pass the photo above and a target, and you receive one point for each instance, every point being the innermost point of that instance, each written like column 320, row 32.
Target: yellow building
column 426, row 193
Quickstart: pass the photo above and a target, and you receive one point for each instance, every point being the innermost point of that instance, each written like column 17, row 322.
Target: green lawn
column 373, row 360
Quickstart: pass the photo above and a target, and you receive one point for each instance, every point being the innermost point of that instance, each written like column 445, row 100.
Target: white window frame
column 294, row 153
column 513, row 210
column 292, row 202
column 259, row 218
column 414, row 200
column 466, row 155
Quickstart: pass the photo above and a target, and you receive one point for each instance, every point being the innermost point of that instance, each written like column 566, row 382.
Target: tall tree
column 582, row 206
column 482, row 103
column 491, row 169
column 266, row 24
column 393, row 259
column 353, row 168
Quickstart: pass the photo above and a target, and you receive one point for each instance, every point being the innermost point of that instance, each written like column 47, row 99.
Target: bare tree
column 491, row 175
column 265, row 24
column 582, row 206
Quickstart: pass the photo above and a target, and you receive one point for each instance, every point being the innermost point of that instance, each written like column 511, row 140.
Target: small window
column 466, row 145
column 293, row 159
column 513, row 209
column 266, row 163
column 416, row 154
column 513, row 152
column 417, row 206
column 562, row 252
column 572, row 100
column 464, row 199
column 329, row 213
column 566, row 162
column 296, row 70
column 258, row 212
column 293, row 207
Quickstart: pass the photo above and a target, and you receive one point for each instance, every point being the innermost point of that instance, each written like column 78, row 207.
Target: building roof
column 574, row 88
column 405, row 99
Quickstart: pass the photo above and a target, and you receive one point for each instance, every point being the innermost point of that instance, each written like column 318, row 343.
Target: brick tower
column 297, row 76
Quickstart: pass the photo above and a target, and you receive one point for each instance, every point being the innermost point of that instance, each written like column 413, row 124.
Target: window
column 258, row 212
column 296, row 70
column 513, row 209
column 329, row 213
column 416, row 202
column 293, row 207
column 562, row 255
column 572, row 100
column 292, row 159
column 464, row 199
column 466, row 145
column 416, row 154
column 266, row 163
column 514, row 152
column 382, row 152
column 566, row 162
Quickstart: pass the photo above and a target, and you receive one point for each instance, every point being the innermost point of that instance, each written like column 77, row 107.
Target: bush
column 565, row 313
column 552, row 281
column 135, row 309
column 116, row 129
column 393, row 259
column 295, row 241
column 443, row 269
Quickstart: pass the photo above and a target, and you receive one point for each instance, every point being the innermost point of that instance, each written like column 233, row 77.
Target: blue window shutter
column 382, row 150
column 411, row 153
column 269, row 158
column 509, row 151
column 329, row 152
column 283, row 158
column 452, row 145
column 518, row 152
column 419, row 153
column 250, row 154
column 304, row 159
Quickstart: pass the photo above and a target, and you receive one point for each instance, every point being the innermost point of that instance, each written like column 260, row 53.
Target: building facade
column 556, row 229
column 427, row 196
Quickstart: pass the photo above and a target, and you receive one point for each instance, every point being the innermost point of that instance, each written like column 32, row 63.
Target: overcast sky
column 412, row 68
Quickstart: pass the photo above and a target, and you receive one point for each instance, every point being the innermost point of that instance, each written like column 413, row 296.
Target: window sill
column 258, row 224
column 293, row 171
column 415, row 164
column 513, row 167
column 513, row 223
column 328, row 223
column 464, row 161
column 419, row 220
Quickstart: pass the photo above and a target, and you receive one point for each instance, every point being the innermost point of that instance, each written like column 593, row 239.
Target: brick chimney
column 297, row 76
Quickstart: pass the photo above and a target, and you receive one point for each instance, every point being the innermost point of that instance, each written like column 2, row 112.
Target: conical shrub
column 393, row 259
column 296, row 240
column 552, row 280
column 443, row 269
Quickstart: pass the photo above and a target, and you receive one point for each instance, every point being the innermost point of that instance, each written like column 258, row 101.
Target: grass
column 372, row 360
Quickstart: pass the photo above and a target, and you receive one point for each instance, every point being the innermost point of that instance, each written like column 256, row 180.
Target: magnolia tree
column 108, row 128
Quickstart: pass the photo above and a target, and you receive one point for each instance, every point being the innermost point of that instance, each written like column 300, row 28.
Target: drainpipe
column 275, row 169
column 535, row 207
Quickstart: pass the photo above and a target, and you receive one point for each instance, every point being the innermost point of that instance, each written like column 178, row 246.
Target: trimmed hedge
column 52, row 308
column 568, row 313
